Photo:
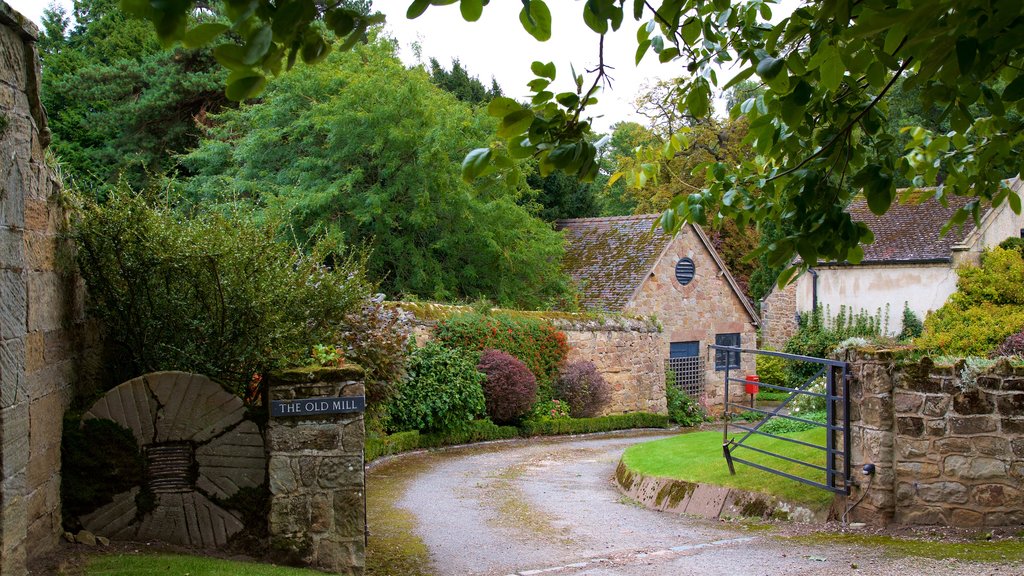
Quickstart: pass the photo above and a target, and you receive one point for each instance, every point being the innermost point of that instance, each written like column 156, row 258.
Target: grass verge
column 1011, row 550
column 697, row 457
column 177, row 565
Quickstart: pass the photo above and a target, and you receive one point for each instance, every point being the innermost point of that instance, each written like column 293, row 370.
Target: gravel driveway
column 551, row 507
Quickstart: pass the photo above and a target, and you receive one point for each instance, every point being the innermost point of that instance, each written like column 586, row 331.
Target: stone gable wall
column 698, row 311
column 947, row 452
column 43, row 340
column 778, row 317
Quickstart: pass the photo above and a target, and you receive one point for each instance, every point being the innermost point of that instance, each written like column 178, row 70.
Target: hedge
column 485, row 430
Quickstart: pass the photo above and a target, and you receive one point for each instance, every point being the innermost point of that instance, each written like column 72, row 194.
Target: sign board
column 317, row 406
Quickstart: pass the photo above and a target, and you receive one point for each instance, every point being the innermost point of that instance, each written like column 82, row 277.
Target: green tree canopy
column 118, row 104
column 367, row 152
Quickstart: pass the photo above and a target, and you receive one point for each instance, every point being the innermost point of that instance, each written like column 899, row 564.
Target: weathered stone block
column 977, row 468
column 1013, row 425
column 321, row 515
column 1013, row 385
column 1017, row 446
column 910, row 426
column 914, row 449
column 13, row 305
column 1005, row 518
column 12, row 249
column 876, row 412
column 904, row 402
column 936, row 405
column 340, row 471
column 963, row 517
column 1011, row 404
column 943, row 492
column 12, row 375
column 305, row 437
column 996, row 495
column 917, row 470
column 974, row 401
column 289, row 515
column 349, row 512
column 992, row 445
column 935, row 427
column 921, row 516
column 989, row 382
column 283, row 479
column 953, row 445
column 972, row 424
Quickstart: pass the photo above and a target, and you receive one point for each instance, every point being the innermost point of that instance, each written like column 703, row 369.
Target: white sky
column 497, row 46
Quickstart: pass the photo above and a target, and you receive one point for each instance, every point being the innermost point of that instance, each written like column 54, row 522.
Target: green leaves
column 475, row 163
column 203, row 34
column 471, row 9
column 536, row 19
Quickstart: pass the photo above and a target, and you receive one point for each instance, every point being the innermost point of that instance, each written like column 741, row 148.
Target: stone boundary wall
column 946, row 451
column 315, row 467
column 628, row 352
column 46, row 350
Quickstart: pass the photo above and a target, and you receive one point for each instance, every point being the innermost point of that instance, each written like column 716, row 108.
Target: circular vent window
column 684, row 271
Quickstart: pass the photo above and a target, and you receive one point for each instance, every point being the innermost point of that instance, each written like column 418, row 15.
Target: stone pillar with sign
column 315, row 467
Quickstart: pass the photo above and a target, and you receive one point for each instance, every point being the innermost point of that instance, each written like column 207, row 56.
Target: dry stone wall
column 948, row 450
column 45, row 348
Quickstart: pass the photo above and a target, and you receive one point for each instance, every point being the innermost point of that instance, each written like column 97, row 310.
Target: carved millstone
column 198, row 448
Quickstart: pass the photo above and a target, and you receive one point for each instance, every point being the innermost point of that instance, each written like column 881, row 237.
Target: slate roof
column 610, row 257
column 911, row 232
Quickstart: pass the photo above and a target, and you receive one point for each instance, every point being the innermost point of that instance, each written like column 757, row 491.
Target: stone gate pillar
column 315, row 464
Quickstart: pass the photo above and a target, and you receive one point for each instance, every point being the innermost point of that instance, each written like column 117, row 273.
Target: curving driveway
column 543, row 507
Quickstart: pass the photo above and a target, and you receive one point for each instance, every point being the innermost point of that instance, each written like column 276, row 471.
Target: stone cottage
column 629, row 265
column 910, row 263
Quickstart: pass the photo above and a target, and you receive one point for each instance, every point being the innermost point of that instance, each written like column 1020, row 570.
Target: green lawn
column 697, row 457
column 178, row 565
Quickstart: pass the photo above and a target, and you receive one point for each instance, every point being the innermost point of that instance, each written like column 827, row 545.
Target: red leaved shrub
column 510, row 389
column 583, row 387
column 1012, row 346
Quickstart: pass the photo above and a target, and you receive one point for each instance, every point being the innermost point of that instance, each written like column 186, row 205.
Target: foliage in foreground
column 164, row 564
column 213, row 295
column 986, row 309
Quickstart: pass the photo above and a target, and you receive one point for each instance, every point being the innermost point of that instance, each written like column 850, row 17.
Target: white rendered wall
column 924, row 287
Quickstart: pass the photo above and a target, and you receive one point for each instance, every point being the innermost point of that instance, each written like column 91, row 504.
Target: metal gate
column 831, row 473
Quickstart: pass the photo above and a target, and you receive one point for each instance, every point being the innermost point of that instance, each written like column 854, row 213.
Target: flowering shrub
column 535, row 342
column 548, row 410
column 441, row 392
column 509, row 386
column 804, row 403
column 583, row 387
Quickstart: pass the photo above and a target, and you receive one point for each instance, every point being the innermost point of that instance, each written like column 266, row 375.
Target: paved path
column 550, row 507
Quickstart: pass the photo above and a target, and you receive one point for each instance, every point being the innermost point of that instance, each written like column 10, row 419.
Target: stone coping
column 25, row 27
column 710, row 501
column 310, row 374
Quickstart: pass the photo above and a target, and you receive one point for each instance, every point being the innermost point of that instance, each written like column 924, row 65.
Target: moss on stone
column 307, row 374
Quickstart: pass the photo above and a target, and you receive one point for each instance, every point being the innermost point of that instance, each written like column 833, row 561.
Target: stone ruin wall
column 45, row 348
column 629, row 353
column 947, row 452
